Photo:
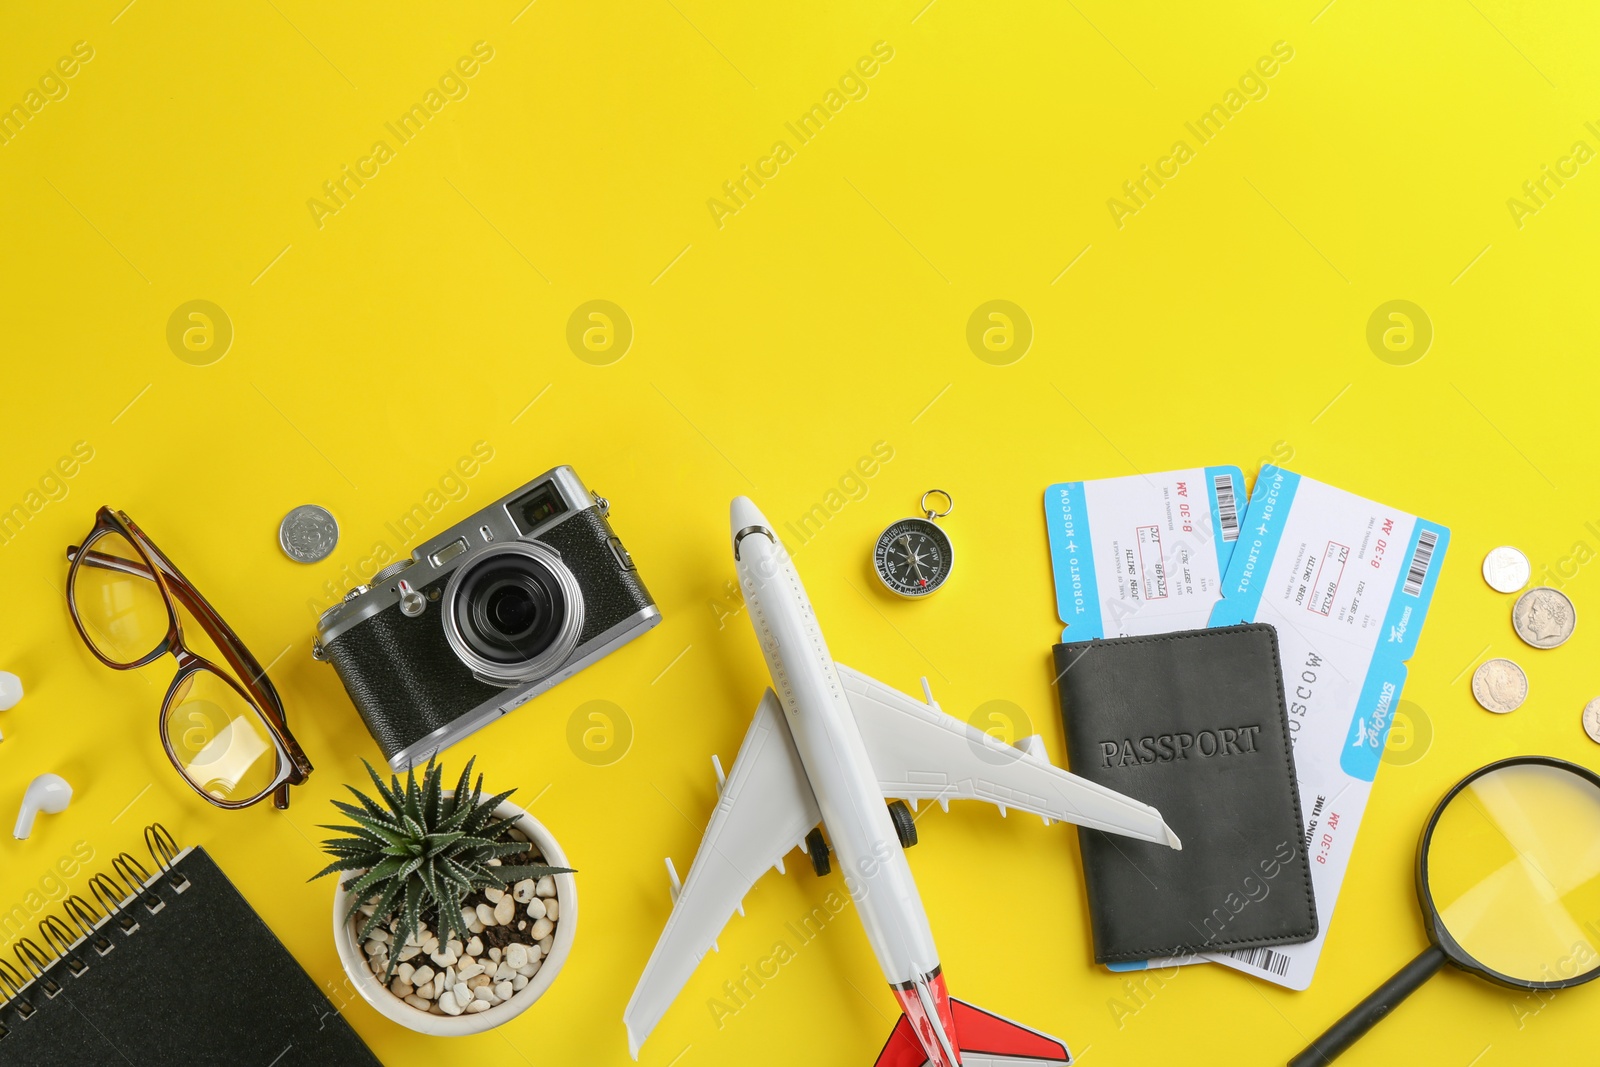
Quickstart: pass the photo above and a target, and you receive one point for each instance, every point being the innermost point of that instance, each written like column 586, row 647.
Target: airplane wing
column 766, row 808
column 920, row 753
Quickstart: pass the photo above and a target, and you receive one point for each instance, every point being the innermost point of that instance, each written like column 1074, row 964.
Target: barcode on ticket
column 1263, row 959
column 1227, row 510
column 1421, row 558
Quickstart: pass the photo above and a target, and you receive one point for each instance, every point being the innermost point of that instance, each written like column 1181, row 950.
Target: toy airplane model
column 829, row 747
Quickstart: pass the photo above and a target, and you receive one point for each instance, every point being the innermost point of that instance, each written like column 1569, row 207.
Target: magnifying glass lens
column 1513, row 867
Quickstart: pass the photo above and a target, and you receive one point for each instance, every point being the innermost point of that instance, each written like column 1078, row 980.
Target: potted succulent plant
column 458, row 911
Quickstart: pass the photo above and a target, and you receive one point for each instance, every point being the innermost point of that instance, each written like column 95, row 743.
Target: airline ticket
column 1144, row 554
column 1347, row 583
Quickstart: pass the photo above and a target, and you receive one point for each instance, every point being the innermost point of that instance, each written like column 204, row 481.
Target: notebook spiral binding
column 84, row 930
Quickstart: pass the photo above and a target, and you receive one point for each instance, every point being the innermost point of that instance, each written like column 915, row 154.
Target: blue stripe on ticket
column 1258, row 543
column 1380, row 692
column 1077, row 595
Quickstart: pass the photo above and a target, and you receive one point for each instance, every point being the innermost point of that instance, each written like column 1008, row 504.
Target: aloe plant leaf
column 344, row 863
column 413, row 798
column 381, row 817
column 359, row 886
column 534, row 871
column 385, row 834
column 458, row 799
column 383, row 911
column 346, row 842
column 494, row 831
column 440, row 842
column 482, row 813
column 390, row 796
column 430, row 795
column 367, row 803
column 413, row 911
column 456, row 819
column 451, row 873
column 359, row 834
column 452, row 909
column 429, row 882
column 414, row 829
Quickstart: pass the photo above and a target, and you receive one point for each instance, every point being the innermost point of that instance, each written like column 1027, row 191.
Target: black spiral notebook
column 165, row 969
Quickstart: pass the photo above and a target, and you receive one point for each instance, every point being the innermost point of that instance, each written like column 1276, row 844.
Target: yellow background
column 1224, row 322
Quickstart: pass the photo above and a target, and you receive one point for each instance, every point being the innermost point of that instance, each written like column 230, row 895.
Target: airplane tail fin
column 985, row 1040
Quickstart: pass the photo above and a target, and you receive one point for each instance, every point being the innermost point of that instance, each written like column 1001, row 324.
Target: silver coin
column 1506, row 569
column 1543, row 617
column 1500, row 686
column 308, row 533
column 1591, row 720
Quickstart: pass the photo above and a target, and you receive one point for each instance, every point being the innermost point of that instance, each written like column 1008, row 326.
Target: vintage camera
column 485, row 617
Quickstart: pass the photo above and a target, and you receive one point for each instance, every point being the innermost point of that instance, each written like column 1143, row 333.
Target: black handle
column 1364, row 1016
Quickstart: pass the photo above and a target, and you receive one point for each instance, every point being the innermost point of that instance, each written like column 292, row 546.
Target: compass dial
column 913, row 557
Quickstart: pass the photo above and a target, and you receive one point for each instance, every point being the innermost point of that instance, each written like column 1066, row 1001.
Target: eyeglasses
column 225, row 731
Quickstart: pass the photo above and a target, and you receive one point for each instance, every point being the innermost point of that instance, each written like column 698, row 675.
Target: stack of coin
column 1591, row 720
column 308, row 533
column 1506, row 569
column 1543, row 618
column 1499, row 686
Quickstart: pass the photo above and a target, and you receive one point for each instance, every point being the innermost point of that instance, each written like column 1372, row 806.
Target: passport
column 1195, row 724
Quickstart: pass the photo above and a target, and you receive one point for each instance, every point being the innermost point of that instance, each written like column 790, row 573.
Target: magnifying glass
column 1508, row 875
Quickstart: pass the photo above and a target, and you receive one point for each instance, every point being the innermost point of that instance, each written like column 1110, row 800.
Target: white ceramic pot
column 397, row 1010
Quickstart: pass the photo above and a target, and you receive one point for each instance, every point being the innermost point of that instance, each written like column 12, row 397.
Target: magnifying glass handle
column 1364, row 1016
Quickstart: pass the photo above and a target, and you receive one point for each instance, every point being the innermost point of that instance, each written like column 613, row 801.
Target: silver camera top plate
column 520, row 515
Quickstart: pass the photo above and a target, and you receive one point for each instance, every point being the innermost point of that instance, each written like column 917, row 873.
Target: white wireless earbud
column 10, row 692
column 48, row 793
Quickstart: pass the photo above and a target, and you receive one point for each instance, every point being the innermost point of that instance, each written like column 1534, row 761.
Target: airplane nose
column 743, row 512
column 744, row 518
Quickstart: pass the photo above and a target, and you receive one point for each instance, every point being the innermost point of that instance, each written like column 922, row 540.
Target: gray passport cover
column 1193, row 723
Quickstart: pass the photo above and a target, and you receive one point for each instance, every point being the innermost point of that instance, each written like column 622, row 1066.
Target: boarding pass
column 1347, row 583
column 1144, row 554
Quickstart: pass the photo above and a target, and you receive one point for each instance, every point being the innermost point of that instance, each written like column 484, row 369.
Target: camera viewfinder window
column 538, row 506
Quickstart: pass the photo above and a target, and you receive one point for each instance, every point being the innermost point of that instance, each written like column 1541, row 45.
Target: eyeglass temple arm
column 250, row 670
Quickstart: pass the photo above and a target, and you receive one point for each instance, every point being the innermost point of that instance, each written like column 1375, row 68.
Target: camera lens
column 514, row 613
column 512, row 609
